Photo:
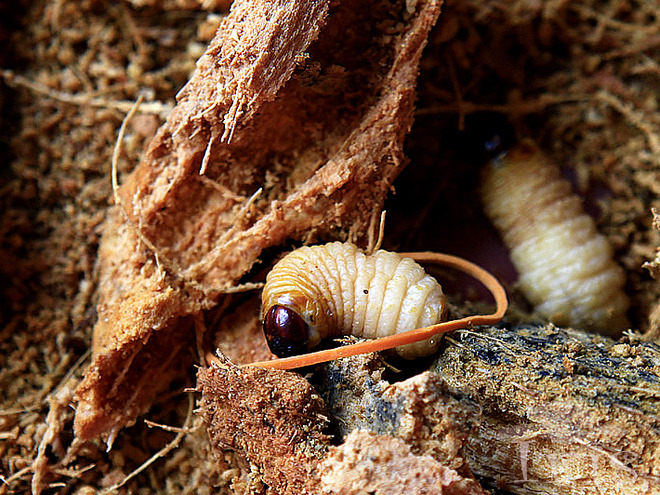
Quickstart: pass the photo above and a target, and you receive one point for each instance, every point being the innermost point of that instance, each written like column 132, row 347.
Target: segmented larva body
column 566, row 268
column 335, row 289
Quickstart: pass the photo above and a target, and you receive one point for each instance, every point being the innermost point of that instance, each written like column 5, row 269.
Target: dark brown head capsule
column 286, row 332
column 488, row 136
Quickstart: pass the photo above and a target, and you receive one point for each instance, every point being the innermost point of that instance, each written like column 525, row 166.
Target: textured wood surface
column 527, row 409
column 563, row 412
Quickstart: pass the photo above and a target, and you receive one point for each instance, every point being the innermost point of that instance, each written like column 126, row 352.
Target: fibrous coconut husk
column 579, row 77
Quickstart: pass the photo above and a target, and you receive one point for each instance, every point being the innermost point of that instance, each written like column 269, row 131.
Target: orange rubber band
column 411, row 336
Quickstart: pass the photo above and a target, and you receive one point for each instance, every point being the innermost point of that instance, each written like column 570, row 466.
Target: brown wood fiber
column 273, row 419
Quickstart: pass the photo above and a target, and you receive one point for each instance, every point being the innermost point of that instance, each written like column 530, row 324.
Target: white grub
column 338, row 290
column 565, row 266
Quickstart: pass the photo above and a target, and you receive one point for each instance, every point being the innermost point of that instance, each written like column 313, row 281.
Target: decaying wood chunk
column 239, row 332
column 317, row 126
column 384, row 465
column 563, row 412
column 277, row 422
column 272, row 418
column 534, row 409
column 419, row 410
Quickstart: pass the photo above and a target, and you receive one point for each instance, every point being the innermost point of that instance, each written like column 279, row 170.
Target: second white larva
column 334, row 289
column 565, row 266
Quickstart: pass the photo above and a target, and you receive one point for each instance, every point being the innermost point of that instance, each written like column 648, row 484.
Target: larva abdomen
column 338, row 290
column 566, row 267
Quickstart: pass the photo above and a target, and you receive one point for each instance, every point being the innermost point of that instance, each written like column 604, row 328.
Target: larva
column 283, row 302
column 335, row 289
column 565, row 266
